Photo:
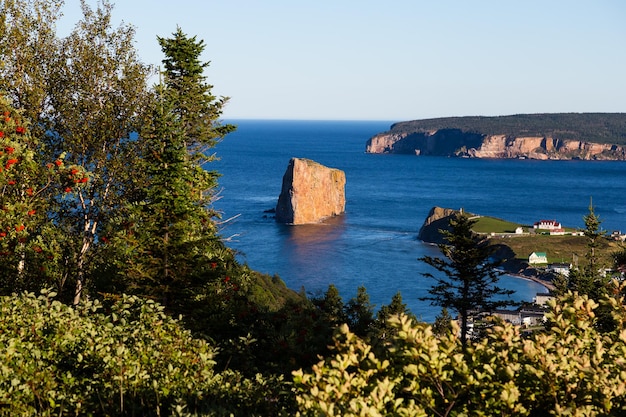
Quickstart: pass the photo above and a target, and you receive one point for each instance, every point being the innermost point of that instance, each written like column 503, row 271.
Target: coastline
column 548, row 285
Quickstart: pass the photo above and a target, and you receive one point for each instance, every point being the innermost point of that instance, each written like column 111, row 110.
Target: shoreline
column 548, row 285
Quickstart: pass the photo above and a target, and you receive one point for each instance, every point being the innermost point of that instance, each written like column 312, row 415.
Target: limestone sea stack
column 310, row 193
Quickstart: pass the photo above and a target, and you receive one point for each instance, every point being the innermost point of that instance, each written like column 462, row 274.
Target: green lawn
column 493, row 225
column 558, row 248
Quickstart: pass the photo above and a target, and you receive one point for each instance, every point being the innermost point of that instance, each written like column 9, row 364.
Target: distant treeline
column 588, row 127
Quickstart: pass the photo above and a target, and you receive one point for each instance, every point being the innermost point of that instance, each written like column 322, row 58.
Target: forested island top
column 590, row 127
column 589, row 136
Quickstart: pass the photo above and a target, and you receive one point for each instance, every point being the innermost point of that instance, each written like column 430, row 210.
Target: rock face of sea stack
column 311, row 192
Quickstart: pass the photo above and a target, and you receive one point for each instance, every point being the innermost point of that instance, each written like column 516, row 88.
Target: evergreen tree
column 171, row 229
column 196, row 109
column 470, row 282
column 360, row 313
column 383, row 331
column 619, row 260
column 588, row 280
column 331, row 306
column 443, row 323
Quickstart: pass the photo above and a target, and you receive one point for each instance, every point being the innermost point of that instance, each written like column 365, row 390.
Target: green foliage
column 28, row 45
column 569, row 370
column 443, row 323
column 486, row 224
column 588, row 279
column 98, row 92
column 619, row 259
column 166, row 238
column 382, row 329
column 360, row 312
column 593, row 127
column 120, row 357
column 84, row 96
column 196, row 108
column 30, row 191
column 470, row 282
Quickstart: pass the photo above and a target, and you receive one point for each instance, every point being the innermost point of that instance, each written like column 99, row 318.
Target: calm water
column 388, row 197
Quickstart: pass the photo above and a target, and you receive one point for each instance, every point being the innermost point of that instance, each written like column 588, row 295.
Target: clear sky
column 394, row 60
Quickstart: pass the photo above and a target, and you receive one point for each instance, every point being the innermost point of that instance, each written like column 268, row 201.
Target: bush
column 570, row 369
column 122, row 357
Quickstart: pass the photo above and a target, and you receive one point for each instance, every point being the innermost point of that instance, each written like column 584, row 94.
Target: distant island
column 559, row 136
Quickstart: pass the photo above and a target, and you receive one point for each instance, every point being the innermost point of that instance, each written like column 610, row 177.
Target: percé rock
column 310, row 193
column 438, row 219
column 541, row 136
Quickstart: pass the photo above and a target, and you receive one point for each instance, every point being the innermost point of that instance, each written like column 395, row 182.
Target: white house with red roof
column 547, row 224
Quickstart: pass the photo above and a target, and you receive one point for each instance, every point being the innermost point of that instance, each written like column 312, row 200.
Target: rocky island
column 561, row 136
column 310, row 193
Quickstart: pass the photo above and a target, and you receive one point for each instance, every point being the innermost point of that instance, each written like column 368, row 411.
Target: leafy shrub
column 123, row 357
column 570, row 369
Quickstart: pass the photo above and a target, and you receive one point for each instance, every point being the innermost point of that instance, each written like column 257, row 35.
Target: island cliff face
column 310, row 193
column 586, row 136
column 453, row 142
column 438, row 219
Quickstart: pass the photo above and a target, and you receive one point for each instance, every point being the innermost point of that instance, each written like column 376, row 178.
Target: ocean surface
column 374, row 244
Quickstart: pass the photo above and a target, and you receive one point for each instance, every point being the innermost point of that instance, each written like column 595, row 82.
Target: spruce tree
column 383, row 330
column 360, row 313
column 171, row 229
column 443, row 323
column 331, row 306
column 471, row 277
column 588, row 279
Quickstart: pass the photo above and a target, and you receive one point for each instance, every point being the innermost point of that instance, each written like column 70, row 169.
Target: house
column 557, row 232
column 542, row 298
column 547, row 224
column 526, row 316
column 538, row 258
column 560, row 268
column 511, row 316
column 532, row 316
column 519, row 230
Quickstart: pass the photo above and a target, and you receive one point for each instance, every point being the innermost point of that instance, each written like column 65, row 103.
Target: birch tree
column 28, row 45
column 97, row 93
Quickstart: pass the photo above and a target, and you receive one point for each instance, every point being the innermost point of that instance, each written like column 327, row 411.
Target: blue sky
column 394, row 60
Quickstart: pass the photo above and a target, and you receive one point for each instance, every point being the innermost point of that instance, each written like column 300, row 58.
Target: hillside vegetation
column 564, row 248
column 516, row 248
column 590, row 127
column 119, row 297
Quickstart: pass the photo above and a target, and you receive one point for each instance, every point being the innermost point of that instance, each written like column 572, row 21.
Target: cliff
column 310, row 193
column 438, row 219
column 560, row 136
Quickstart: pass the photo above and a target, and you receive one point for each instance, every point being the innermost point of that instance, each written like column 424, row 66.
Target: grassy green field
column 557, row 248
column 492, row 225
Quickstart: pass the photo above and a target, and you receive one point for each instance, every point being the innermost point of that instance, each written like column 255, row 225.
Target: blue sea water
column 387, row 199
